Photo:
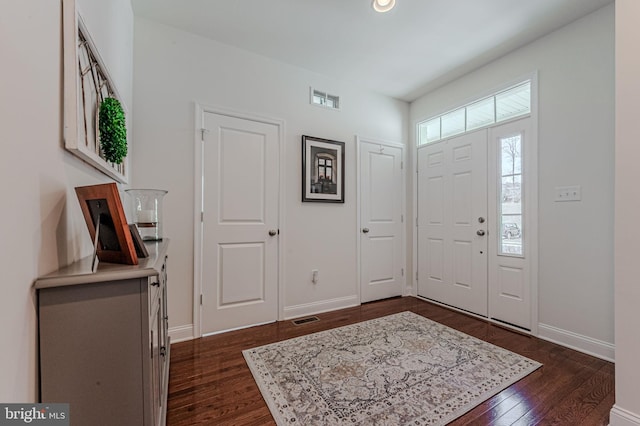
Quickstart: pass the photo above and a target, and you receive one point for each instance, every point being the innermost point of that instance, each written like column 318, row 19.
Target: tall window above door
column 510, row 193
column 502, row 106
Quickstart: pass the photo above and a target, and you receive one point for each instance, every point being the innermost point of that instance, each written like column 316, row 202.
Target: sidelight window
column 510, row 201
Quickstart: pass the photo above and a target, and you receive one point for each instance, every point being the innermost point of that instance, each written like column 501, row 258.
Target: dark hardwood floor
column 211, row 384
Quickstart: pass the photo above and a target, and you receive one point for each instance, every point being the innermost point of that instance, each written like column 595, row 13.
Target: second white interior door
column 381, row 261
column 452, row 222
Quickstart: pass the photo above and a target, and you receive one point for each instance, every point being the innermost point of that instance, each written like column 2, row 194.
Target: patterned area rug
column 395, row 370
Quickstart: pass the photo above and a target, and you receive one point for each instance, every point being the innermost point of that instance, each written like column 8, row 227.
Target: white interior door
column 240, row 223
column 452, row 222
column 381, row 261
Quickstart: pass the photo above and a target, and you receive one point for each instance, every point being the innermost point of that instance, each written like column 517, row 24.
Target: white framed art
column 87, row 83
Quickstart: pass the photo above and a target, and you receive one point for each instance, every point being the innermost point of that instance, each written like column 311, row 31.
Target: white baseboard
column 588, row 345
column 408, row 291
column 181, row 333
column 621, row 417
column 319, row 307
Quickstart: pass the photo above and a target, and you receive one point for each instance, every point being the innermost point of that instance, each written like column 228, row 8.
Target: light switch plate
column 568, row 193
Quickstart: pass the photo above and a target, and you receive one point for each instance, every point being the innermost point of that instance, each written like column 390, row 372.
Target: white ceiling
column 418, row 46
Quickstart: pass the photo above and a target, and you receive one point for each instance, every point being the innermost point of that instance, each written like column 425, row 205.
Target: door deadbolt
column 481, row 219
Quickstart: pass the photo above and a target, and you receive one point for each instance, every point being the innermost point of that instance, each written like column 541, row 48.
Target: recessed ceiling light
column 383, row 5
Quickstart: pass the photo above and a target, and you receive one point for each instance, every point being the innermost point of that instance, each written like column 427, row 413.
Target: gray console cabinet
column 104, row 341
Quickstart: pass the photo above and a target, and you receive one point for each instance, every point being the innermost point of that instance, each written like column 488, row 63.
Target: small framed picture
column 322, row 170
column 138, row 242
column 104, row 215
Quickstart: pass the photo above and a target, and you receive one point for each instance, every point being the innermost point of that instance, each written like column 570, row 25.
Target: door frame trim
column 532, row 204
column 406, row 291
column 200, row 110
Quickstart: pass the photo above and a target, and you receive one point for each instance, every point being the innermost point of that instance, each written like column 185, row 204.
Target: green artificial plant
column 113, row 130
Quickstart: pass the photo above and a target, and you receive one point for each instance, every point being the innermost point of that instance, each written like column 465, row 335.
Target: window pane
column 321, row 161
column 319, row 97
column 511, row 194
column 480, row 114
column 333, row 101
column 429, row 131
column 513, row 102
column 453, row 123
column 422, row 134
column 511, row 232
column 511, row 155
column 511, row 237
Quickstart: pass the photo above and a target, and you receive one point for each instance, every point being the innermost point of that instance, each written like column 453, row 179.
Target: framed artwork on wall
column 322, row 170
column 89, row 94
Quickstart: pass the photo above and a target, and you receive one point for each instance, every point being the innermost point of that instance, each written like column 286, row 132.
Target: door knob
column 480, row 232
column 273, row 232
column 365, row 230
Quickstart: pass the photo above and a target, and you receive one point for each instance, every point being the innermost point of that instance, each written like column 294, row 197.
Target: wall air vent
column 324, row 99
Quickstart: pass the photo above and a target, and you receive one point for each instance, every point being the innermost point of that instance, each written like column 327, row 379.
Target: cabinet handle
column 163, row 351
column 156, row 283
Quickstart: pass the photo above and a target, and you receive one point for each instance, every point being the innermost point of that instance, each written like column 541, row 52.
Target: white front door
column 240, row 223
column 381, row 261
column 452, row 222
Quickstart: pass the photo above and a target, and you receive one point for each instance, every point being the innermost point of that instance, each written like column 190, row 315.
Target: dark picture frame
column 102, row 210
column 322, row 170
column 138, row 242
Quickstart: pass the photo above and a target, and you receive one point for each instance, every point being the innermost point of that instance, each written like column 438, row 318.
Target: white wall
column 41, row 226
column 576, row 147
column 111, row 26
column 626, row 411
column 173, row 69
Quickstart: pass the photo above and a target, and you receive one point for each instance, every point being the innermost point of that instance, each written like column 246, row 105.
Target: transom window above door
column 501, row 106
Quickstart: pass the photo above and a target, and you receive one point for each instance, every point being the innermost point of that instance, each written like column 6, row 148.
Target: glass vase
column 147, row 212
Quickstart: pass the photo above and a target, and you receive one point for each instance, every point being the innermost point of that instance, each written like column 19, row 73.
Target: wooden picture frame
column 101, row 205
column 322, row 170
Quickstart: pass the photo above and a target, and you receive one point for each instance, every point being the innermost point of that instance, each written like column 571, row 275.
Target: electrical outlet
column 568, row 193
column 314, row 276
